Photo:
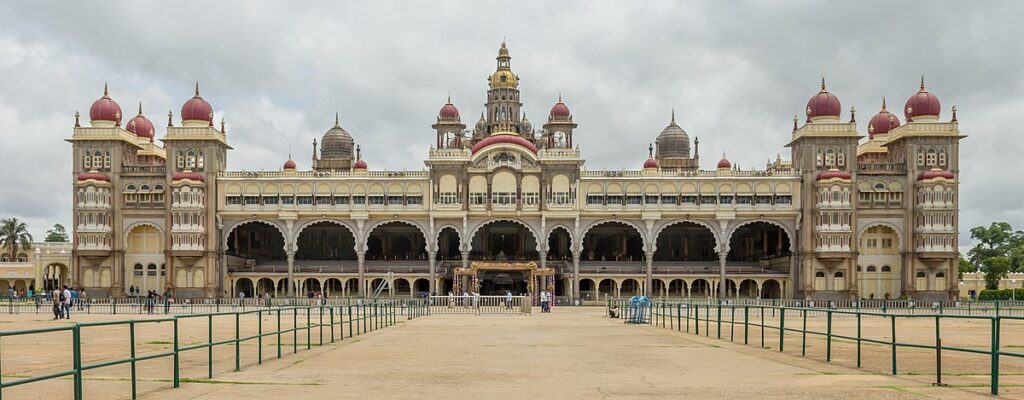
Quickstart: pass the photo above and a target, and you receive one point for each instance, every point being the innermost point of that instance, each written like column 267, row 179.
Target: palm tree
column 14, row 235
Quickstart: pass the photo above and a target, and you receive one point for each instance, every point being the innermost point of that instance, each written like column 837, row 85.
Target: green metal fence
column 328, row 322
column 724, row 319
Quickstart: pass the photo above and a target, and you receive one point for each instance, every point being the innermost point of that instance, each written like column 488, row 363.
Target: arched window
column 921, row 274
column 151, row 270
column 830, row 158
column 871, row 268
column 942, row 158
column 137, row 270
column 839, row 274
column 932, row 157
column 940, row 274
column 106, row 161
column 181, row 160
column 819, row 274
column 200, row 161
column 886, row 268
column 190, row 159
column 87, row 161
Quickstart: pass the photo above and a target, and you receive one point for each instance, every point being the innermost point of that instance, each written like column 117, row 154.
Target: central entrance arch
column 503, row 240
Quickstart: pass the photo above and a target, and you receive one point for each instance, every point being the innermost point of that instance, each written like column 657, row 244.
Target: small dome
column 724, row 163
column 823, row 104
column 560, row 110
column 197, row 109
column 481, row 124
column 834, row 174
column 650, row 163
column 935, row 173
column 360, row 164
column 525, row 126
column 882, row 122
column 289, row 164
column 141, row 126
column 105, row 109
column 673, row 142
column 922, row 104
column 336, row 143
column 508, row 138
column 448, row 110
column 93, row 175
column 187, row 175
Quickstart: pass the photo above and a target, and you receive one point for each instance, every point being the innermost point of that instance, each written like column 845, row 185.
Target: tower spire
column 336, row 122
column 922, row 82
column 140, row 108
column 883, row 103
column 197, row 88
column 105, row 92
column 673, row 115
column 823, row 84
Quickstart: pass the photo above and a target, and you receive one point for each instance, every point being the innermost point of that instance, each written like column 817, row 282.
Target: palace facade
column 865, row 211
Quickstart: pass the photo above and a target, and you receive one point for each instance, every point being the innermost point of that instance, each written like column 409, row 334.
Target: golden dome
column 504, row 78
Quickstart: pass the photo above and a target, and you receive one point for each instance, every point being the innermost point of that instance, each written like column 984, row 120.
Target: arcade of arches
column 611, row 259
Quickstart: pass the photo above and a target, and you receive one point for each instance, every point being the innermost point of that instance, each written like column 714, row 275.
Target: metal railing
column 722, row 319
column 480, row 305
column 143, row 305
column 324, row 319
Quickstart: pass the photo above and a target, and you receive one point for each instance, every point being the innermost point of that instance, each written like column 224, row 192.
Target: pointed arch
column 472, row 233
column 714, row 231
column 304, row 225
column 234, row 225
column 592, row 225
column 732, row 230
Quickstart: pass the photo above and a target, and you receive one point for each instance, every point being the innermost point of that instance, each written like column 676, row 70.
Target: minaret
column 503, row 106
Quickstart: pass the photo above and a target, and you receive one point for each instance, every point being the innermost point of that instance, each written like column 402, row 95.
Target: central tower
column 503, row 106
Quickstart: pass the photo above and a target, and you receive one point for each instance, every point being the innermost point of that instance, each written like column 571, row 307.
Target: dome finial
column 449, row 97
column 140, row 108
column 170, row 114
column 853, row 114
column 823, row 83
column 559, row 96
column 77, row 116
column 883, row 103
column 336, row 123
column 359, row 153
column 197, row 88
column 673, row 115
column 105, row 92
column 922, row 82
column 794, row 121
column 650, row 150
column 953, row 120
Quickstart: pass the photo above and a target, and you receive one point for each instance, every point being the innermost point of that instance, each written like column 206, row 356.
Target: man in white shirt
column 544, row 301
column 508, row 299
column 67, row 303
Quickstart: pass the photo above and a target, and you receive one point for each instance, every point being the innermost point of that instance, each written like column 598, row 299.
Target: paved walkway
column 569, row 354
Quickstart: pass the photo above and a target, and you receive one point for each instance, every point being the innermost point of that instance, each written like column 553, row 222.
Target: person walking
column 74, row 299
column 67, row 302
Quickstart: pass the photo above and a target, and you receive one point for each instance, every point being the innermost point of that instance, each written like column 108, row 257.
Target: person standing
column 508, row 299
column 67, row 302
column 544, row 300
column 55, row 298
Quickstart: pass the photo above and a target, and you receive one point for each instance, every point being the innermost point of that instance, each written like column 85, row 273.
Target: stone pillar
column 361, row 259
column 465, row 259
column 649, row 274
column 721, row 274
column 37, row 260
column 291, row 274
column 432, row 256
column 575, row 275
column 543, row 259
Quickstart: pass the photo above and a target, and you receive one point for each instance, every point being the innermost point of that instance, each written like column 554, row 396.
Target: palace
column 504, row 205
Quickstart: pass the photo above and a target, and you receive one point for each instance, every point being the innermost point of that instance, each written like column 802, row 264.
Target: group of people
column 64, row 299
column 152, row 298
column 17, row 293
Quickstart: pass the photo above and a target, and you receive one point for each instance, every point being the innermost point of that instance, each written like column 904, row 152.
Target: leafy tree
column 996, row 269
column 14, row 235
column 57, row 234
column 992, row 242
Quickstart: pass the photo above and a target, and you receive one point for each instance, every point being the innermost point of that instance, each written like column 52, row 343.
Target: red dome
column 141, row 126
column 935, row 173
column 882, row 122
column 560, row 109
column 922, row 103
column 360, row 164
column 650, row 163
column 724, row 163
column 192, row 176
column 449, row 110
column 823, row 104
column 505, row 138
column 105, row 109
column 197, row 109
column 96, row 176
column 834, row 174
column 289, row 164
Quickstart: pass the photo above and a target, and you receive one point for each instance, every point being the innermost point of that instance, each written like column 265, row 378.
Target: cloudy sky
column 736, row 73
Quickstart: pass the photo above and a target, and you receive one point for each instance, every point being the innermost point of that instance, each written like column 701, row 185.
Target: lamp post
column 1013, row 290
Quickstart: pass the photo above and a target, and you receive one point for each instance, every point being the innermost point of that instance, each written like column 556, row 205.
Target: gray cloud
column 735, row 72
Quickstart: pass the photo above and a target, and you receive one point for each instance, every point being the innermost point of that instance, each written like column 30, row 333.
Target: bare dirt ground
column 571, row 353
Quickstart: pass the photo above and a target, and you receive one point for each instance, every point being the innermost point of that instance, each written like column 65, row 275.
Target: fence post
column 746, row 324
column 76, row 334
column 259, row 337
column 893, row 319
column 828, row 337
column 209, row 346
column 938, row 353
column 238, row 351
column 177, row 377
column 803, row 333
column 719, row 319
column 349, row 323
column 278, row 333
column 995, row 354
column 782, row 328
column 858, row 338
column 131, row 337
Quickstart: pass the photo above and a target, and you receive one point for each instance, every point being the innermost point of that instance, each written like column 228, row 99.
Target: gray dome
column 525, row 126
column 673, row 142
column 336, row 144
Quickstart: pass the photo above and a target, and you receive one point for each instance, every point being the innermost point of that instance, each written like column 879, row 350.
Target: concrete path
column 573, row 353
